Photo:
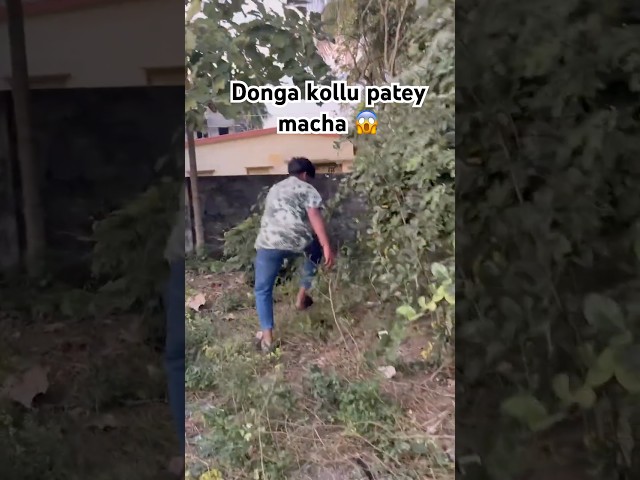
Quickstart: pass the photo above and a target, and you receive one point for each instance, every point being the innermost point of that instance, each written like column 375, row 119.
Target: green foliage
column 128, row 264
column 550, row 223
column 406, row 174
column 442, row 289
column 614, row 360
column 129, row 249
column 236, row 435
column 365, row 412
column 357, row 405
column 239, row 251
column 209, row 365
column 260, row 51
column 371, row 35
column 237, row 440
column 26, row 434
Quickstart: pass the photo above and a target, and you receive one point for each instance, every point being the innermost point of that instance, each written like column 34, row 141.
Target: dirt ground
column 75, row 404
column 335, row 339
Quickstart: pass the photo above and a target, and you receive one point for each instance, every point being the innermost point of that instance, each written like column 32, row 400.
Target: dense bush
column 548, row 212
column 406, row 173
column 129, row 248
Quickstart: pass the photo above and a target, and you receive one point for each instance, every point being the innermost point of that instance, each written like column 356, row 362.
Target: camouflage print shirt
column 285, row 224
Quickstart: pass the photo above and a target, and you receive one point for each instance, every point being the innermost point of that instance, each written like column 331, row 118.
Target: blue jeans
column 267, row 266
column 175, row 345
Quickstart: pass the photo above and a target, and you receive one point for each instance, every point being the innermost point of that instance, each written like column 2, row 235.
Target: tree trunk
column 9, row 236
column 31, row 202
column 195, row 193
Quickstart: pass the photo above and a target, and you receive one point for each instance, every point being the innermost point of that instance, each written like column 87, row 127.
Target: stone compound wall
column 227, row 201
column 96, row 149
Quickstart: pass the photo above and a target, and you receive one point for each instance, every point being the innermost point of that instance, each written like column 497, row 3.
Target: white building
column 67, row 44
column 79, row 47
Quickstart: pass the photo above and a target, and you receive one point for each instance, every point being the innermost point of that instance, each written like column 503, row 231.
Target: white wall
column 233, row 155
column 105, row 46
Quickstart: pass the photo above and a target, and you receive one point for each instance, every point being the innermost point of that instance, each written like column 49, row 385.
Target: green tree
column 225, row 41
column 548, row 215
column 370, row 36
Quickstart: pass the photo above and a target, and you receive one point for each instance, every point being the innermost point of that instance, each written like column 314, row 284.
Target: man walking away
column 292, row 215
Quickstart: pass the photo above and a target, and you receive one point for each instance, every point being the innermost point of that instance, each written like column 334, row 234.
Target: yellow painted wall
column 234, row 157
column 90, row 41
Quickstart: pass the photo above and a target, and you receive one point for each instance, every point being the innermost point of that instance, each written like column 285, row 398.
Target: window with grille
column 328, row 168
column 259, row 170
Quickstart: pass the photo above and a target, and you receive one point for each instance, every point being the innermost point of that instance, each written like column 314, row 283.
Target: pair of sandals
column 268, row 348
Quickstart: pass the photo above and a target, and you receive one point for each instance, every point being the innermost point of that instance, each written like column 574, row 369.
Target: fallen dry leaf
column 196, row 302
column 388, row 371
column 24, row 389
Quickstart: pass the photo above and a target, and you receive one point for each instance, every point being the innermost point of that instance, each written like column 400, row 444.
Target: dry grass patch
column 319, row 408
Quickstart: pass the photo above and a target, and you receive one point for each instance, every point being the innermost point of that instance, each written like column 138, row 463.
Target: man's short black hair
column 300, row 165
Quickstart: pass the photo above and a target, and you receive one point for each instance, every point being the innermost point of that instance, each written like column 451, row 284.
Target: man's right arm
column 318, row 225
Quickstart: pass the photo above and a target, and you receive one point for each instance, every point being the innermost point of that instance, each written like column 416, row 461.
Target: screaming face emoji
column 366, row 123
